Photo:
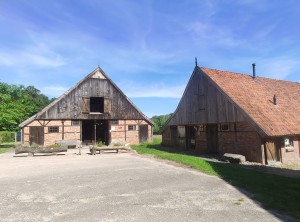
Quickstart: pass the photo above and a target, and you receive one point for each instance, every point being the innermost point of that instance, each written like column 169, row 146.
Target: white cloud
column 208, row 34
column 158, row 90
column 31, row 57
column 54, row 91
column 279, row 67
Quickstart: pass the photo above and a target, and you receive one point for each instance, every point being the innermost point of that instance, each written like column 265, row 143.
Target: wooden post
column 63, row 130
column 125, row 129
column 95, row 129
column 79, row 153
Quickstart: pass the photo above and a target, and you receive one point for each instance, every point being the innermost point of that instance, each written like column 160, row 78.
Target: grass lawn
column 6, row 146
column 275, row 192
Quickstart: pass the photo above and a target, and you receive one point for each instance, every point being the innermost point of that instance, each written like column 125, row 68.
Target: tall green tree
column 17, row 103
column 159, row 121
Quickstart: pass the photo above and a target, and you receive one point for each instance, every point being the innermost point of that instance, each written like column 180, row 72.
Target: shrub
column 7, row 137
column 99, row 143
column 118, row 144
column 54, row 146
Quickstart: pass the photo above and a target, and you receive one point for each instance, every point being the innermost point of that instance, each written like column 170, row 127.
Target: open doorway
column 94, row 131
column 212, row 138
column 190, row 137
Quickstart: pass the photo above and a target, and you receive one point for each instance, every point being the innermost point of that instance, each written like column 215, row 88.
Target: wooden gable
column 203, row 103
column 76, row 103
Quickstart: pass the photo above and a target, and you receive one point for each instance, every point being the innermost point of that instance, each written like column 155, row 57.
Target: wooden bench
column 94, row 149
column 71, row 144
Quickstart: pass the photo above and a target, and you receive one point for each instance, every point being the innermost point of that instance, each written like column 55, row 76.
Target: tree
column 18, row 103
column 159, row 121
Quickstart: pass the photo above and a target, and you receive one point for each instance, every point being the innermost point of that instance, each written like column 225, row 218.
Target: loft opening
column 97, row 105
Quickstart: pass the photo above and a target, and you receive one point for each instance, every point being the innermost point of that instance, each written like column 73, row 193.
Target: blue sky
column 146, row 47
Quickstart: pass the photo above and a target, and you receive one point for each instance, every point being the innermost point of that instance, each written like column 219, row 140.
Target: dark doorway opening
column 212, row 138
column 36, row 135
column 174, row 135
column 190, row 137
column 94, row 131
column 143, row 133
column 96, row 104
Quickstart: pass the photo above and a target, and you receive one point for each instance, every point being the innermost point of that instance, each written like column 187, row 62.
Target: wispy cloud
column 53, row 91
column 33, row 55
column 152, row 90
column 206, row 33
column 279, row 67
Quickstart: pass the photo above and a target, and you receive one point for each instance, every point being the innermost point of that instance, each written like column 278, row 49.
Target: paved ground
column 116, row 187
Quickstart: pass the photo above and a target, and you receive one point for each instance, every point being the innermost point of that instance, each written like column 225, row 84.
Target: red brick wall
column 121, row 134
column 245, row 141
column 291, row 155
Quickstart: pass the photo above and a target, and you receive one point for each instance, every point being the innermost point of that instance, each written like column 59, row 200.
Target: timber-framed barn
column 93, row 110
column 225, row 112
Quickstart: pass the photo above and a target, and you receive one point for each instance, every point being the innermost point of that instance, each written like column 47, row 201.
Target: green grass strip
column 4, row 147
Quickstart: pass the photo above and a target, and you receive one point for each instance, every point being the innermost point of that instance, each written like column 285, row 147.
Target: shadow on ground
column 276, row 190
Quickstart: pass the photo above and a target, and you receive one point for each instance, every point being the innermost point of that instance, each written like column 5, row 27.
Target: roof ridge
column 261, row 77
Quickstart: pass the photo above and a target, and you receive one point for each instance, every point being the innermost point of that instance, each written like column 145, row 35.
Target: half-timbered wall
column 65, row 131
column 120, row 133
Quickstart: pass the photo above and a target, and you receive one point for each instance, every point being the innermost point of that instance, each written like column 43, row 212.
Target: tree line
column 159, row 121
column 18, row 103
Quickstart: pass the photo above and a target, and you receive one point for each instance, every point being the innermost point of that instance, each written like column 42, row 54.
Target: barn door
column 36, row 135
column 143, row 133
column 174, row 135
column 190, row 137
column 107, row 105
column 273, row 148
column 212, row 138
column 85, row 105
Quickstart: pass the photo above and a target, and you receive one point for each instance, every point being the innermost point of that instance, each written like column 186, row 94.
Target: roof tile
column 255, row 97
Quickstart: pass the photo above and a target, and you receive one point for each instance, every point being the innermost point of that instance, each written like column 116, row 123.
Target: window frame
column 133, row 127
column 291, row 142
column 75, row 121
column 94, row 101
column 114, row 122
column 223, row 125
column 50, row 129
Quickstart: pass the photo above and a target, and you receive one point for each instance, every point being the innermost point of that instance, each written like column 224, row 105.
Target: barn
column 95, row 109
column 225, row 112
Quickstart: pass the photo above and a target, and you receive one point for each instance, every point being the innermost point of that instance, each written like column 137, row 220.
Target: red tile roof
column 255, row 97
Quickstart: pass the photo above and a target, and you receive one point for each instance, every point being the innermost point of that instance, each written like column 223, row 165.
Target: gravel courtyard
column 116, row 187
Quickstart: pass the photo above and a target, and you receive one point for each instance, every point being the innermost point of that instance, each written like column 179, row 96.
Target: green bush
column 99, row 143
column 54, row 146
column 7, row 137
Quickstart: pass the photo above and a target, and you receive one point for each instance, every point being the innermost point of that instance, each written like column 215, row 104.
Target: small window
column 288, row 142
column 224, row 127
column 131, row 127
column 201, row 128
column 96, row 104
column 75, row 123
column 53, row 129
column 114, row 122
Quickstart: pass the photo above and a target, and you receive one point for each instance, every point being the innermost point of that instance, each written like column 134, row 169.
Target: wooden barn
column 225, row 112
column 93, row 110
